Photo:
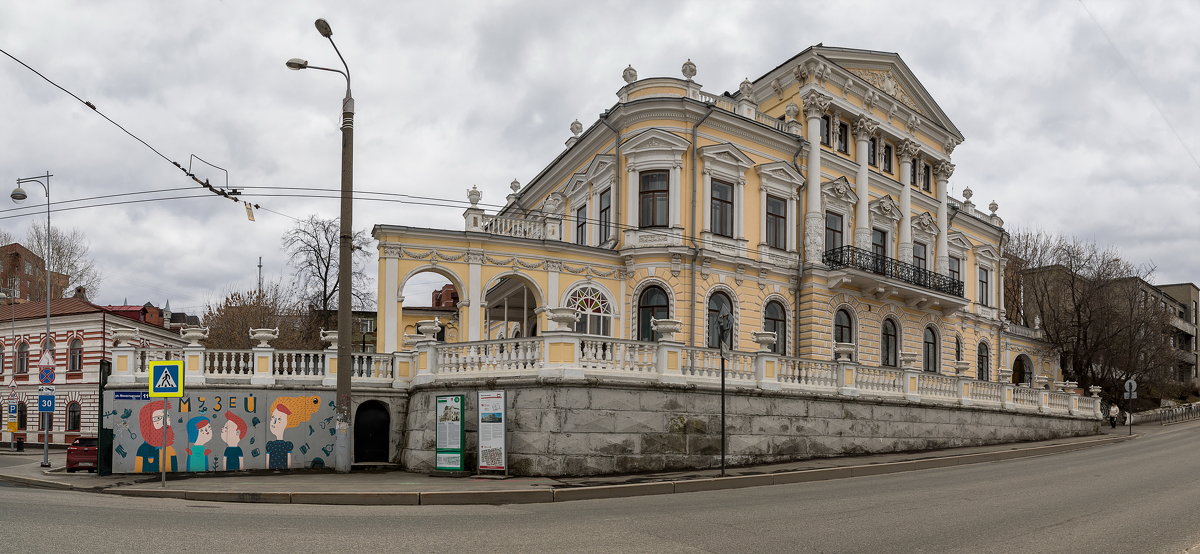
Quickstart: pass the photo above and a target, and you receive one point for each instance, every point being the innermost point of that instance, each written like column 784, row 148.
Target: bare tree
column 1097, row 309
column 312, row 246
column 230, row 320
column 69, row 256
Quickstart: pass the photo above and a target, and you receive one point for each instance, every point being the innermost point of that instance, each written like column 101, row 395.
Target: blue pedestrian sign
column 166, row 379
column 45, row 402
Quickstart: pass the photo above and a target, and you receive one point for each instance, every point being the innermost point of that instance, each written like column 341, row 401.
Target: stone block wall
column 583, row 429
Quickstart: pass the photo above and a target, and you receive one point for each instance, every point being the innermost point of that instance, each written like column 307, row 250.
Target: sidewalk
column 403, row 488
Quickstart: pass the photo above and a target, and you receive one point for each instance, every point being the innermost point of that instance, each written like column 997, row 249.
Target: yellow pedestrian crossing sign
column 166, row 379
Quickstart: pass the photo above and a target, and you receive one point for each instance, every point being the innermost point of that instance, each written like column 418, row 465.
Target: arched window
column 23, row 358
column 74, row 421
column 21, row 417
column 75, row 356
column 958, row 349
column 775, row 320
column 842, row 331
column 595, row 311
column 719, row 303
column 888, row 344
column 652, row 303
column 983, row 363
column 931, row 350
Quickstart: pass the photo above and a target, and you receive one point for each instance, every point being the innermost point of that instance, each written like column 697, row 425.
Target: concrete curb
column 567, row 494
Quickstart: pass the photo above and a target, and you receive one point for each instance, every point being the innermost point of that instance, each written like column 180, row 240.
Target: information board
column 492, row 452
column 448, row 421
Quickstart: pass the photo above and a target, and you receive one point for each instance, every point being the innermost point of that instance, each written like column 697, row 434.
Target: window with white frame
column 779, row 186
column 888, row 344
column 581, row 225
column 833, row 231
column 775, row 321
column 722, row 208
column 931, row 348
column 920, row 255
column 654, row 197
column 605, row 216
column 595, row 311
column 887, row 158
column 955, row 268
column 985, row 286
column 777, row 222
column 75, row 356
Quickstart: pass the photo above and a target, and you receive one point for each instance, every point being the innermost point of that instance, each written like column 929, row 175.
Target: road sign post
column 1130, row 394
column 166, row 381
column 46, row 377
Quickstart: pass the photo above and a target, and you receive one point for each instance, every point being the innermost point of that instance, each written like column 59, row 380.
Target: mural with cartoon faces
column 220, row 430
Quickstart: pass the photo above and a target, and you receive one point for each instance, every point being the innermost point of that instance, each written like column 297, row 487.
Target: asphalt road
column 1137, row 496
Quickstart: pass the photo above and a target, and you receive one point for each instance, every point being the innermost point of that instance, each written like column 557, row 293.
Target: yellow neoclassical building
column 812, row 205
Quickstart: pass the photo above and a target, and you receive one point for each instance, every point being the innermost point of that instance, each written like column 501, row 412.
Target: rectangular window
column 955, row 268
column 605, row 215
column 927, row 178
column 984, row 287
column 872, row 153
column 653, row 199
column 833, row 231
column 920, row 256
column 879, row 242
column 912, row 173
column 887, row 158
column 581, row 225
column 825, row 126
column 843, row 142
column 776, row 222
column 722, row 208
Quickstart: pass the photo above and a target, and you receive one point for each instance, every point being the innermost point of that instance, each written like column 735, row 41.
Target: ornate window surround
column 986, row 257
column 780, row 180
column 724, row 162
column 606, row 298
column 885, row 214
column 654, row 149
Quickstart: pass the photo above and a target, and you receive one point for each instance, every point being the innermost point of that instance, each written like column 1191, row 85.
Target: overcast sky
column 1066, row 131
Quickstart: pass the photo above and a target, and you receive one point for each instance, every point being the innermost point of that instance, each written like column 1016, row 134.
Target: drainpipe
column 799, row 227
column 616, row 188
column 692, row 235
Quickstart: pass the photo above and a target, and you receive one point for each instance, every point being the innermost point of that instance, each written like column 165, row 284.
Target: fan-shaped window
column 888, row 344
column 74, row 421
column 775, row 320
column 842, row 331
column 718, row 305
column 75, row 356
column 931, row 350
column 982, row 363
column 23, row 358
column 595, row 311
column 652, row 303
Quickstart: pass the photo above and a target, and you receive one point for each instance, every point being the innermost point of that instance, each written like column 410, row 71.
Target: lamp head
column 18, row 194
column 297, row 64
column 323, row 28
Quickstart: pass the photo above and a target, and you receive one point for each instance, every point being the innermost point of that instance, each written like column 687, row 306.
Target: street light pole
column 341, row 443
column 18, row 194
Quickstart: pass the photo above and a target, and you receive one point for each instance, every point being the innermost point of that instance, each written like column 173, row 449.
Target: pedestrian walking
column 1113, row 413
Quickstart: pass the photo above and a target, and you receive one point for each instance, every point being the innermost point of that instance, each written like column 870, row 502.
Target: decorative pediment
column 924, row 226
column 780, row 177
column 885, row 208
column 655, row 139
column 839, row 190
column 575, row 186
column 600, row 167
column 987, row 252
column 958, row 242
column 725, row 159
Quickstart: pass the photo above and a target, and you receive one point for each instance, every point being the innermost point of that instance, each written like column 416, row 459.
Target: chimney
column 80, row 293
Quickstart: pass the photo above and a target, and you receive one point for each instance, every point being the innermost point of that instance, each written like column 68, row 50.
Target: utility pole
column 260, row 275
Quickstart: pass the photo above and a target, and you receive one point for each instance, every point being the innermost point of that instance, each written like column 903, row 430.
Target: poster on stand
column 492, row 453
column 450, row 434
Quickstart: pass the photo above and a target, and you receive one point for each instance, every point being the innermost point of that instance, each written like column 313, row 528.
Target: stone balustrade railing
column 568, row 355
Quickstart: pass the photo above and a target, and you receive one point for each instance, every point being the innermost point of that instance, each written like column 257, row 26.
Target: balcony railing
column 865, row 260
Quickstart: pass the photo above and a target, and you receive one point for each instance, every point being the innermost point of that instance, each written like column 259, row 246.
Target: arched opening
column 843, row 331
column 595, row 310
column 983, row 363
column 718, row 304
column 511, row 303
column 75, row 356
column 372, row 432
column 931, row 350
column 653, row 303
column 74, row 419
column 775, row 320
column 428, row 295
column 23, row 358
column 888, row 344
column 1022, row 370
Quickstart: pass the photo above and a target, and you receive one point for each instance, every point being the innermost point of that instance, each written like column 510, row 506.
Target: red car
column 82, row 454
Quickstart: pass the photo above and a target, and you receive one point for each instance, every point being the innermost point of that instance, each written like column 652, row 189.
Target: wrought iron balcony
column 865, row 260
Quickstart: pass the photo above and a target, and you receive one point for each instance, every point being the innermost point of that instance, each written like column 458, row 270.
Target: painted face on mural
column 278, row 423
column 204, row 434
column 158, row 417
column 229, row 433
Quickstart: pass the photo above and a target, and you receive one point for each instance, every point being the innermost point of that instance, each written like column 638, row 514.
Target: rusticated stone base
column 584, row 429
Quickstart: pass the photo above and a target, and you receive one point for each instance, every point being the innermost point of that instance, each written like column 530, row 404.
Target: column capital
column 943, row 170
column 865, row 127
column 815, row 104
column 907, row 150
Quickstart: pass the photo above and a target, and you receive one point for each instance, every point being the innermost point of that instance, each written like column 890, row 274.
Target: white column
column 676, row 195
column 815, row 104
column 593, row 211
column 705, row 203
column 792, row 214
column 739, row 210
column 943, row 172
column 631, row 213
column 388, row 305
column 863, row 129
column 762, row 207
column 907, row 151
column 475, row 315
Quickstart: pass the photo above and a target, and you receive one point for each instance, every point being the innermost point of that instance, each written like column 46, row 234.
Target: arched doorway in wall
column 372, row 432
column 1022, row 370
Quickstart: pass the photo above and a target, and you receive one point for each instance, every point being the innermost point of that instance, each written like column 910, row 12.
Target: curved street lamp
column 341, row 444
column 18, row 195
